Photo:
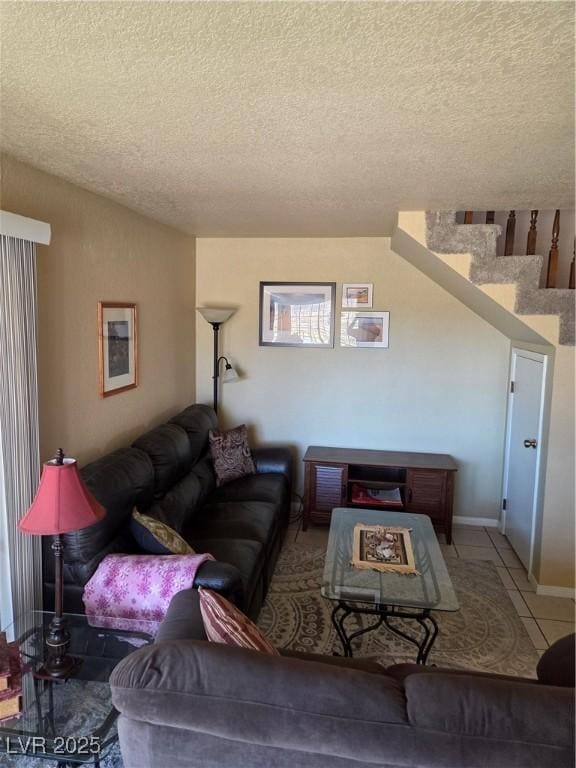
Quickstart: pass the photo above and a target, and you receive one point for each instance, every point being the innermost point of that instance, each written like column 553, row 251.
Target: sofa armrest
column 221, row 577
column 183, row 620
column 270, row 459
column 556, row 665
column 251, row 697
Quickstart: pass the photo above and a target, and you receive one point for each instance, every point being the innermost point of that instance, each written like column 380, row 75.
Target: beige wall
column 557, row 545
column 103, row 251
column 554, row 546
column 440, row 387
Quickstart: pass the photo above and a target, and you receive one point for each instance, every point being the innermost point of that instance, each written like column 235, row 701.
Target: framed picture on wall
column 117, row 347
column 364, row 329
column 357, row 295
column 297, row 314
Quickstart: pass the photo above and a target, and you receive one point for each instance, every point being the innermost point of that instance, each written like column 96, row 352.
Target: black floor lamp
column 216, row 316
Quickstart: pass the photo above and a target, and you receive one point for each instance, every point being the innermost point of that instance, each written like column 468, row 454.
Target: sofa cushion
column 169, row 451
column 245, row 696
column 197, row 420
column 490, row 708
column 204, row 471
column 268, row 487
column 258, row 520
column 119, row 481
column 156, row 537
column 247, row 556
column 224, row 623
column 231, row 455
column 178, row 505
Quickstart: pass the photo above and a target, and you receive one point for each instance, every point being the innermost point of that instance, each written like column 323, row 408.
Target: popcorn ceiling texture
column 444, row 235
column 288, row 118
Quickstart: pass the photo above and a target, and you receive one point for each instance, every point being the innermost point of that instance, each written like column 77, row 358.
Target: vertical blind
column 19, row 444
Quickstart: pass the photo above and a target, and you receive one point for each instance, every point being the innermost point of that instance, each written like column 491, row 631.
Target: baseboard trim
column 486, row 522
column 542, row 589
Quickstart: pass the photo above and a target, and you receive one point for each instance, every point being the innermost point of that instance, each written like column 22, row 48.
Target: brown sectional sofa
column 187, row 703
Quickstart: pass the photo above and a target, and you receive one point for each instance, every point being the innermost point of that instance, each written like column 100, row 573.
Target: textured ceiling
column 294, row 118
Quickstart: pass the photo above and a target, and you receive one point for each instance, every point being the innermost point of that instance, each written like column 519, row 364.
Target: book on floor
column 10, row 679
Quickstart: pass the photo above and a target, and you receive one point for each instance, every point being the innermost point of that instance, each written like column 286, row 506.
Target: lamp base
column 58, row 665
column 58, row 669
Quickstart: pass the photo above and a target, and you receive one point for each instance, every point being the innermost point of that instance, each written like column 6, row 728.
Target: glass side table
column 71, row 721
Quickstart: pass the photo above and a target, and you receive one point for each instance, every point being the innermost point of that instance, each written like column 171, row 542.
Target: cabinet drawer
column 426, row 492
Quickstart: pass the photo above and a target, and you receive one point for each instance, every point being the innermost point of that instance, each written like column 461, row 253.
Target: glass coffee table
column 70, row 721
column 387, row 596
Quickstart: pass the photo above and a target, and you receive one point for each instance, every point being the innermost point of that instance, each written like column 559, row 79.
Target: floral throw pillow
column 231, row 454
column 224, row 623
column 156, row 537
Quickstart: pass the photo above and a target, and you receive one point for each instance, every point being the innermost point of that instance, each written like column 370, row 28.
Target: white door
column 523, row 450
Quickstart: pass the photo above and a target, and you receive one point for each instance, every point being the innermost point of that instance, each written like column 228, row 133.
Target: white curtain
column 20, row 554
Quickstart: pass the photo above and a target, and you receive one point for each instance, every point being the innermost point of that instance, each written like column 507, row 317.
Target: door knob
column 530, row 443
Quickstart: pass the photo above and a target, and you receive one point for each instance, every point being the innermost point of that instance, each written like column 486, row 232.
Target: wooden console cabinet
column 418, row 482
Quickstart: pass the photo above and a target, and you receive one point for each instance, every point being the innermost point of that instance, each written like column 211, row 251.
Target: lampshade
column 230, row 374
column 62, row 502
column 216, row 314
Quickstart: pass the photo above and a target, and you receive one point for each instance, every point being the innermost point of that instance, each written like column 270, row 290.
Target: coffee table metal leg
column 424, row 644
column 338, row 622
column 362, row 631
column 432, row 633
column 385, row 614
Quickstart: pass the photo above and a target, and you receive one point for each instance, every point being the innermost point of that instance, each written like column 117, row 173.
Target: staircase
column 505, row 291
column 470, row 250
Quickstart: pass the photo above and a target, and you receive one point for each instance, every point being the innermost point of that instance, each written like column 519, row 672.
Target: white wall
column 440, row 387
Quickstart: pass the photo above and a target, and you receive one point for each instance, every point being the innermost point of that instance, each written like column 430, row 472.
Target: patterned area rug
column 486, row 634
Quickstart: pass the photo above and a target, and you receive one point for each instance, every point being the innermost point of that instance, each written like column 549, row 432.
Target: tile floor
column 545, row 618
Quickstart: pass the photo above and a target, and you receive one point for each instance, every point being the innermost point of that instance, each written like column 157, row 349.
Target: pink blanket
column 137, row 588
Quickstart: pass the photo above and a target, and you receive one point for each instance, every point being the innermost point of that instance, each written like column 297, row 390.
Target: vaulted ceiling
column 294, row 118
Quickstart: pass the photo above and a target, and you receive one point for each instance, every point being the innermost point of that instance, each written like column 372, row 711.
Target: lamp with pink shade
column 62, row 504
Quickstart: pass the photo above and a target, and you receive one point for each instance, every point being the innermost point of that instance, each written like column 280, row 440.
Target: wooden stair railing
column 553, row 254
column 510, row 229
column 552, row 271
column 532, row 234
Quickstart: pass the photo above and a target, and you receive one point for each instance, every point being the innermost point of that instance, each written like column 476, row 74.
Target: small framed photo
column 297, row 314
column 117, row 347
column 364, row 329
column 357, row 295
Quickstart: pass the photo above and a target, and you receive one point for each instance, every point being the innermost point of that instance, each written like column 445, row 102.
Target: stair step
column 445, row 236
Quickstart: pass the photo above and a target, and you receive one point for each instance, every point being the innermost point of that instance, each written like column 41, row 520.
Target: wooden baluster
column 553, row 254
column 571, row 278
column 468, row 216
column 490, row 217
column 532, row 234
column 510, row 229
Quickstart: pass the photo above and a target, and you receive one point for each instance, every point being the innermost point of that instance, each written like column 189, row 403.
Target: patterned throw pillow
column 224, row 623
column 157, row 538
column 231, row 454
